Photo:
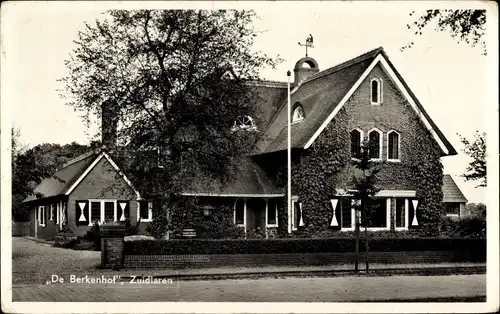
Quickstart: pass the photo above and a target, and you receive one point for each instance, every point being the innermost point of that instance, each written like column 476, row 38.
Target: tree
column 31, row 166
column 477, row 210
column 476, row 170
column 363, row 192
column 464, row 25
column 178, row 78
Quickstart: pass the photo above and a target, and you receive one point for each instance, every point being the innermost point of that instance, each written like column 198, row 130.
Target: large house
column 334, row 111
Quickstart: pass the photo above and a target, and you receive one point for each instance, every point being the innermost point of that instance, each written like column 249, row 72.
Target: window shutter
column 123, row 210
column 81, row 213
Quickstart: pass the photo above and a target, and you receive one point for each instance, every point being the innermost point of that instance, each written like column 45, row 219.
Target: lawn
column 35, row 263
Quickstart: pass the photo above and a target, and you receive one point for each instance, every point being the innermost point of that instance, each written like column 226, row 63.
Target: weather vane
column 308, row 44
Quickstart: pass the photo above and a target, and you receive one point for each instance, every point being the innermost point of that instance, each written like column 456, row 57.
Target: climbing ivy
column 326, row 166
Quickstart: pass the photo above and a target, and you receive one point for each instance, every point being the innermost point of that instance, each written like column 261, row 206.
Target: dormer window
column 376, row 91
column 298, row 114
column 244, row 123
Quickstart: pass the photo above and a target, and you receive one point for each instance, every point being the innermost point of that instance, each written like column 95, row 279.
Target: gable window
column 375, row 143
column 239, row 212
column 298, row 114
column 376, row 91
column 244, row 123
column 145, row 211
column 393, row 142
column 356, row 136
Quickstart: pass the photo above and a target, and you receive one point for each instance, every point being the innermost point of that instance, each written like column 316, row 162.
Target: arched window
column 244, row 123
column 393, row 143
column 375, row 144
column 376, row 91
column 298, row 114
column 356, row 137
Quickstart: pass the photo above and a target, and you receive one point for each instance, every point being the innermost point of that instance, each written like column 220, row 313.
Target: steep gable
column 318, row 95
column 325, row 93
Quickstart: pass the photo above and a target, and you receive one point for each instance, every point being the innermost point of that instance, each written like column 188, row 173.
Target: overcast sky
column 449, row 78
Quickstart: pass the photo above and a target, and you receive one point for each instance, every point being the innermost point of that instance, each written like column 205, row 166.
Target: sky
column 452, row 80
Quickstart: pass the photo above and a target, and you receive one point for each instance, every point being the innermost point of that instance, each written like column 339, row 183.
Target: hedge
column 274, row 246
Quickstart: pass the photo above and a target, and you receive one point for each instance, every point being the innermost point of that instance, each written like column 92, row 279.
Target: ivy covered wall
column 325, row 166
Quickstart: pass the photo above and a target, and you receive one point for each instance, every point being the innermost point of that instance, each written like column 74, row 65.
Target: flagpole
column 289, row 158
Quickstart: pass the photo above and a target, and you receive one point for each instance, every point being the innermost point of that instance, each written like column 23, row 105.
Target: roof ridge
column 328, row 71
column 77, row 159
column 344, row 64
column 267, row 83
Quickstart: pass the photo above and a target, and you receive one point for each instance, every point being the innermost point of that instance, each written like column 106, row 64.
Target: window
column 145, row 211
column 401, row 213
column 375, row 143
column 376, row 91
column 95, row 211
column 356, row 136
column 345, row 213
column 296, row 215
column 298, row 114
column 41, row 216
column 51, row 213
column 109, row 211
column 393, row 142
column 452, row 209
column 244, row 123
column 272, row 213
column 239, row 212
column 378, row 214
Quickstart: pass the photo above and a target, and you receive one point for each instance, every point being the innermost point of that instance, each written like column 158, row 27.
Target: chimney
column 109, row 123
column 304, row 68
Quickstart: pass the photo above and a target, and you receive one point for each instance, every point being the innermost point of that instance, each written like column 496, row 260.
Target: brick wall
column 297, row 259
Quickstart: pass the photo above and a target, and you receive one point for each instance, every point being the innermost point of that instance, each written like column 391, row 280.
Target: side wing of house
column 93, row 190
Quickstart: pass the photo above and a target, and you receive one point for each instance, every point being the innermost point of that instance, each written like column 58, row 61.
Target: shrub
column 84, row 245
column 298, row 245
column 131, row 229
column 94, row 236
column 472, row 226
column 465, row 227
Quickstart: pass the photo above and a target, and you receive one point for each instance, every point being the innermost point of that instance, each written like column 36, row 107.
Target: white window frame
column 295, row 199
column 295, row 117
column 41, row 216
column 267, row 214
column 399, row 146
column 405, row 227
column 380, row 144
column 51, row 212
column 361, row 138
column 150, row 212
column 244, row 213
column 353, row 218
column 239, row 124
column 379, row 91
column 102, row 201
